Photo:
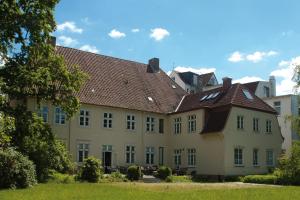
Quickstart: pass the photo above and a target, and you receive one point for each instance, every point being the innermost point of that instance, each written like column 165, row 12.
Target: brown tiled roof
column 233, row 96
column 187, row 77
column 252, row 86
column 121, row 83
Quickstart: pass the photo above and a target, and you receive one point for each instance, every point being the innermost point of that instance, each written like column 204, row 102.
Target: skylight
column 203, row 98
column 150, row 99
column 173, row 86
column 210, row 96
column 215, row 95
column 247, row 94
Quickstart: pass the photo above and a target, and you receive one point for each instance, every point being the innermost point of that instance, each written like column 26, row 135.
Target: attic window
column 203, row 98
column 247, row 94
column 173, row 86
column 215, row 95
column 150, row 99
column 210, row 96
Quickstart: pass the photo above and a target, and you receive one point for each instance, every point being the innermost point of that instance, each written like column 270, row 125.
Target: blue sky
column 244, row 39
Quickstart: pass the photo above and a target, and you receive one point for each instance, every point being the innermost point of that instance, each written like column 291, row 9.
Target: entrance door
column 106, row 161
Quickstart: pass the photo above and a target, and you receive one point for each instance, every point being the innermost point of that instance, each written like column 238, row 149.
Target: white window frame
column 270, row 163
column 150, row 154
column 60, row 115
column 268, row 126
column 277, row 107
column 44, row 113
column 177, row 157
column 84, row 118
column 130, row 154
column 255, row 124
column 130, row 122
column 240, row 122
column 177, row 125
column 255, row 157
column 191, row 157
column 107, row 120
column 192, row 123
column 150, row 124
column 84, row 148
column 238, row 156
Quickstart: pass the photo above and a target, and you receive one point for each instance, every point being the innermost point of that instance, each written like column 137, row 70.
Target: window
column 266, row 91
column 60, row 117
column 177, row 157
column 161, row 125
column 268, row 126
column 269, row 157
column 277, row 106
column 238, row 156
column 107, row 120
column 150, row 124
column 84, row 117
column 150, row 155
column 192, row 123
column 43, row 113
column 130, row 153
column 161, row 155
column 177, row 125
column 240, row 122
column 255, row 125
column 255, row 157
column 83, row 152
column 130, row 119
column 191, row 157
column 247, row 94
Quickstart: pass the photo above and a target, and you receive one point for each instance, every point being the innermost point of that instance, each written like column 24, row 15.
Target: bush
column 260, row 179
column 91, row 170
column 134, row 173
column 114, row 177
column 16, row 171
column 163, row 172
column 56, row 177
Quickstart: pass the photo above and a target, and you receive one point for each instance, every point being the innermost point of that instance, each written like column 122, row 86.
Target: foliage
column 163, row 172
column 134, row 173
column 261, row 179
column 6, row 127
column 114, row 177
column 56, row 177
column 179, row 179
column 91, row 170
column 16, row 171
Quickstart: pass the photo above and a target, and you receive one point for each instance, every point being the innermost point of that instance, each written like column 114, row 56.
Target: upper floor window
column 177, row 125
column 191, row 123
column 83, row 152
column 268, row 126
column 84, row 117
column 240, row 122
column 150, row 123
column 150, row 155
column 238, row 156
column 192, row 157
column 255, row 157
column 60, row 116
column 177, row 157
column 130, row 122
column 107, row 120
column 269, row 157
column 161, row 125
column 43, row 113
column 266, row 91
column 255, row 125
column 277, row 107
column 130, row 154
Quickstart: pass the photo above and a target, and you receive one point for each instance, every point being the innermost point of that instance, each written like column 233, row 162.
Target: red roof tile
column 252, row 86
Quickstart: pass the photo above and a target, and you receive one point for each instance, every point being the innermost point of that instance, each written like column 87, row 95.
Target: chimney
column 52, row 41
column 226, row 83
column 272, row 82
column 153, row 65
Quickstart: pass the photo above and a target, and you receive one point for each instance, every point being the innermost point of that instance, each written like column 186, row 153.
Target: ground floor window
column 130, row 154
column 255, row 157
column 177, row 157
column 238, row 156
column 150, row 155
column 192, row 157
column 161, row 155
column 83, row 152
column 269, row 157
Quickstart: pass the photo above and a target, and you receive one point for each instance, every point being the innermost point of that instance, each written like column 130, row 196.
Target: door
column 106, row 161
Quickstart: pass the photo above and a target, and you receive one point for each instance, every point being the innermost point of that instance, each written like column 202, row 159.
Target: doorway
column 107, row 158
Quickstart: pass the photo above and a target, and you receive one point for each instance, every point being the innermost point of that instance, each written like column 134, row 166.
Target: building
column 263, row 89
column 133, row 113
column 192, row 82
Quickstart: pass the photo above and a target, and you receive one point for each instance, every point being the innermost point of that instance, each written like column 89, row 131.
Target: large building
column 133, row 113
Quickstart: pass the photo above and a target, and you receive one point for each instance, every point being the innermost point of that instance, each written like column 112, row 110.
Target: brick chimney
column 226, row 83
column 153, row 65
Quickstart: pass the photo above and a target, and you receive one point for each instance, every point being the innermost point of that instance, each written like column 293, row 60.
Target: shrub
column 56, row 177
column 16, row 171
column 115, row 177
column 134, row 173
column 91, row 170
column 163, row 172
column 181, row 179
column 169, row 179
column 260, row 179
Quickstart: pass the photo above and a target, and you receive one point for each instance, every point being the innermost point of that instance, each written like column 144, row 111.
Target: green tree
column 32, row 70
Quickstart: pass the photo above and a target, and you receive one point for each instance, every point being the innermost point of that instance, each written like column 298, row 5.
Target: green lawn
column 140, row 191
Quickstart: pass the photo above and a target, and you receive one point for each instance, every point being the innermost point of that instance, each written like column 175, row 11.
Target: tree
column 33, row 70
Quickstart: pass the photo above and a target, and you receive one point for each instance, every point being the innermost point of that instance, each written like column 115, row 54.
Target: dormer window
column 247, row 94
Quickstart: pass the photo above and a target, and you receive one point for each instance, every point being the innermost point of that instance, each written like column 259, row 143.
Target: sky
column 247, row 40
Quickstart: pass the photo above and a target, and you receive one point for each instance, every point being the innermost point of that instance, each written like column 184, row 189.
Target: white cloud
column 247, row 79
column 236, row 57
column 285, row 74
column 69, row 25
column 115, row 34
column 258, row 55
column 135, row 30
column 67, row 41
column 89, row 48
column 159, row 34
column 197, row 70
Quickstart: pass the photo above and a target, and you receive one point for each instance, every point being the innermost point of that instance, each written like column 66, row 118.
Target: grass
column 132, row 191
